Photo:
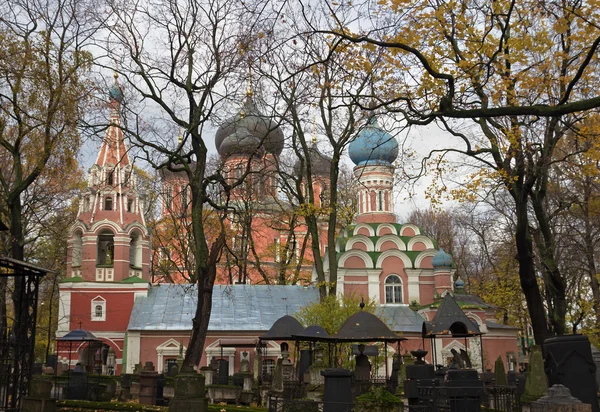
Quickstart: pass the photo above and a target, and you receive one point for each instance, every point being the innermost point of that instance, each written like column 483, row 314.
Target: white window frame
column 98, row 301
column 393, row 286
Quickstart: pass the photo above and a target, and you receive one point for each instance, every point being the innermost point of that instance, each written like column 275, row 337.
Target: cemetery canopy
column 365, row 327
column 450, row 320
column 78, row 335
column 19, row 268
column 284, row 328
column 313, row 333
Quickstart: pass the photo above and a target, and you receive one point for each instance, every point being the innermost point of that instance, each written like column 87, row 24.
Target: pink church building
column 108, row 289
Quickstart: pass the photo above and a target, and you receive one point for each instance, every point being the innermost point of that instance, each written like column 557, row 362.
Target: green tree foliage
column 43, row 91
column 331, row 312
column 517, row 71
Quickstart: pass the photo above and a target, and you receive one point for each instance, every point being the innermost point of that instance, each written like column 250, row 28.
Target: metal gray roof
column 234, row 308
column 495, row 325
column 365, row 327
column 450, row 320
column 400, row 318
column 284, row 328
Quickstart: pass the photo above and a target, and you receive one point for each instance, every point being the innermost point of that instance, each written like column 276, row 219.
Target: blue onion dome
column 459, row 284
column 249, row 132
column 115, row 92
column 442, row 260
column 373, row 146
column 320, row 164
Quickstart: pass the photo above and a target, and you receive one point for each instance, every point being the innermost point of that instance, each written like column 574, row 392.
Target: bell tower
column 108, row 255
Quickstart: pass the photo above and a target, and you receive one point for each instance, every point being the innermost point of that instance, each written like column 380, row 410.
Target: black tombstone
column 52, row 361
column 304, row 364
column 78, row 387
column 160, row 388
column 223, row 376
column 464, row 389
column 337, row 391
column 420, row 382
column 569, row 362
column 440, row 375
column 488, row 377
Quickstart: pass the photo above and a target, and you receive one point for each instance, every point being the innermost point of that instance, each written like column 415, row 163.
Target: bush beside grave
column 377, row 400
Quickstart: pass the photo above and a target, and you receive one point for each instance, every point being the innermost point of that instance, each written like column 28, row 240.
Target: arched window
column 110, row 180
column 393, row 289
column 98, row 309
column 135, row 251
column 168, row 197
column 184, row 198
column 76, row 249
column 106, row 248
column 108, row 203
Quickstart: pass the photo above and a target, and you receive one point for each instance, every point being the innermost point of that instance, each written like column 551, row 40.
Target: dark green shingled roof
column 134, row 279
column 74, row 279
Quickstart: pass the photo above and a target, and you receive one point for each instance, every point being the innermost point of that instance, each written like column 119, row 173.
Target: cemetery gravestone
column 78, row 387
column 148, row 385
column 337, row 394
column 569, row 362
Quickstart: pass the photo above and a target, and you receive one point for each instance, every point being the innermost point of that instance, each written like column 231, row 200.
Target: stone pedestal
column 559, row 399
column 314, row 375
column 208, row 373
column 189, row 394
column 126, row 382
column 418, row 374
column 337, row 394
column 148, row 385
column 248, row 381
column 39, row 399
column 287, row 372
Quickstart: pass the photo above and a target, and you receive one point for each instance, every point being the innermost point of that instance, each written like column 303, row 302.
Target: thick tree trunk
column 312, row 225
column 555, row 284
column 527, row 276
column 194, row 352
column 206, row 281
column 332, row 222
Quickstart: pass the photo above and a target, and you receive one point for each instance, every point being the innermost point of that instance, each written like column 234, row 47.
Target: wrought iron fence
column 457, row 399
column 17, row 344
column 502, row 398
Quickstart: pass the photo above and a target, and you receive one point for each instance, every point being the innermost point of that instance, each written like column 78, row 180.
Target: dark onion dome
column 320, row 164
column 373, row 146
column 248, row 132
column 115, row 92
column 442, row 260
